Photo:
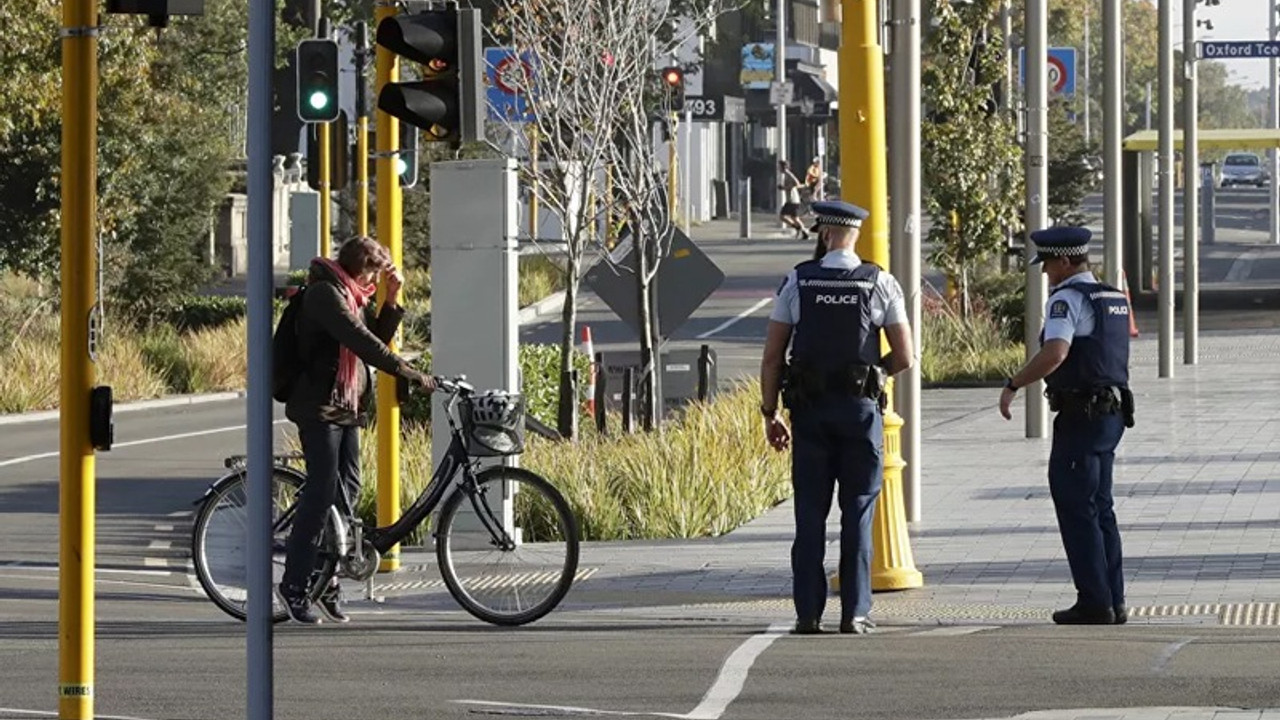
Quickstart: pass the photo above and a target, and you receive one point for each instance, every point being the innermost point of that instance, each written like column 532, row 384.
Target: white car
column 1243, row 169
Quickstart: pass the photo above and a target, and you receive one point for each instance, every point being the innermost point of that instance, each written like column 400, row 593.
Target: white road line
column 44, row 713
column 730, row 322
column 726, row 688
column 104, row 581
column 160, row 545
column 134, row 443
column 1161, row 664
column 164, row 528
column 733, row 674
column 154, row 562
column 1242, row 267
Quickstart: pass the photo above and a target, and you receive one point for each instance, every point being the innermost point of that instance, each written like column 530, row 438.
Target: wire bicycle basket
column 493, row 423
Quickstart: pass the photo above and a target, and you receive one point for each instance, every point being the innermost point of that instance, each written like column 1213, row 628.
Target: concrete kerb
column 168, row 402
column 544, row 307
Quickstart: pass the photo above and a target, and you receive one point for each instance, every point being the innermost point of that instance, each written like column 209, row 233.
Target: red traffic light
column 673, row 76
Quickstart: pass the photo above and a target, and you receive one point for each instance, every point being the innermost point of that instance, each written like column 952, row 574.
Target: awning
column 1234, row 139
column 814, row 87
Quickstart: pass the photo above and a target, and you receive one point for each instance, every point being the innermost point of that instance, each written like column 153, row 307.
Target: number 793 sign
column 716, row 108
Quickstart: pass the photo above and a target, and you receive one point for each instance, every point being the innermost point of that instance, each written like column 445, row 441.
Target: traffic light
column 448, row 102
column 407, row 160
column 338, row 150
column 673, row 83
column 317, row 63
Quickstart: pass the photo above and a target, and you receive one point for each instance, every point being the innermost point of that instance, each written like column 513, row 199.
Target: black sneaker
column 1080, row 615
column 330, row 603
column 807, row 627
column 1122, row 614
column 297, row 605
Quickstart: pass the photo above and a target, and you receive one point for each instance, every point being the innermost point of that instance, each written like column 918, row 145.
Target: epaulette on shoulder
column 807, row 263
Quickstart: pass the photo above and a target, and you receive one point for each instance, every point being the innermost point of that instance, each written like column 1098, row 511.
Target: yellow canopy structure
column 1261, row 139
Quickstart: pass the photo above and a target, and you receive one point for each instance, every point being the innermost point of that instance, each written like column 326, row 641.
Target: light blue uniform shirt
column 1068, row 314
column 887, row 305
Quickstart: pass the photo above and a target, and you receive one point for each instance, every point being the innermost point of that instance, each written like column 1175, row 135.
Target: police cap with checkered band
column 1060, row 242
column 837, row 213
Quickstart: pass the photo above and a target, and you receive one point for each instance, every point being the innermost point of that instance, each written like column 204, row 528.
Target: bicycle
column 490, row 520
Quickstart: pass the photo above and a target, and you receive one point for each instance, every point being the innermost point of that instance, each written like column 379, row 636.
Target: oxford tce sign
column 1233, row 49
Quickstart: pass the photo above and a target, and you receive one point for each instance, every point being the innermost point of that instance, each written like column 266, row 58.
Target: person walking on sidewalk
column 330, row 401
column 831, row 311
column 790, row 212
column 1084, row 360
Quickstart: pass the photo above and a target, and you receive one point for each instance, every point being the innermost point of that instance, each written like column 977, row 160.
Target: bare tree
column 589, row 84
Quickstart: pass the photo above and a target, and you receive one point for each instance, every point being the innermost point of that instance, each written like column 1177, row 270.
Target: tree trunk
column 648, row 379
column 567, row 412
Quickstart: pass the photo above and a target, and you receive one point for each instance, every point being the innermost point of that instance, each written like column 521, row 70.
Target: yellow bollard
column 864, row 174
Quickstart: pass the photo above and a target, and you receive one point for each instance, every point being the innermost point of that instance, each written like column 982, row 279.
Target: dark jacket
column 325, row 324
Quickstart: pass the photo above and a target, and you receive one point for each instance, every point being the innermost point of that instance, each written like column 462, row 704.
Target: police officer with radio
column 1084, row 360
column 831, row 310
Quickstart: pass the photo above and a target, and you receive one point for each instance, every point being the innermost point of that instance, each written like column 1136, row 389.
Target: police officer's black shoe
column 807, row 627
column 1122, row 614
column 297, row 605
column 1079, row 615
column 857, row 626
column 330, row 603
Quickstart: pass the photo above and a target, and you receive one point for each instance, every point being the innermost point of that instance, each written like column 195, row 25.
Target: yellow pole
column 76, row 460
column 390, row 209
column 864, row 175
column 326, row 246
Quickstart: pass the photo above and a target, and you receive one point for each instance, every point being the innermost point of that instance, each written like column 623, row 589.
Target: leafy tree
column 971, row 162
column 1071, row 173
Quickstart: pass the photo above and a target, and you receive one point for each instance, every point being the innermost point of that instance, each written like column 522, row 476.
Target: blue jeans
column 1080, row 477
column 835, row 439
column 332, row 454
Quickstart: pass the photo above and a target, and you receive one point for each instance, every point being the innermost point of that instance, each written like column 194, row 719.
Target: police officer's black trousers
column 837, row 439
column 1080, row 477
column 332, row 454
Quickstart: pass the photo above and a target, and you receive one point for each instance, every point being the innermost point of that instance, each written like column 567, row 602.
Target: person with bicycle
column 339, row 337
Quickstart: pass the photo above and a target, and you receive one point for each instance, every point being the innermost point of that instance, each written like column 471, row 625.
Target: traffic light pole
column 76, row 499
column 362, row 129
column 1037, row 192
column 390, row 210
column 322, row 132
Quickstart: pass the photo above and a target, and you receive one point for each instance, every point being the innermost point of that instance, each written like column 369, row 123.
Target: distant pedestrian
column 813, row 180
column 831, row 311
column 338, row 334
column 1084, row 361
column 790, row 212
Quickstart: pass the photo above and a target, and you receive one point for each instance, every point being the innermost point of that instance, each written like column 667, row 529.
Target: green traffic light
column 402, row 166
column 319, row 100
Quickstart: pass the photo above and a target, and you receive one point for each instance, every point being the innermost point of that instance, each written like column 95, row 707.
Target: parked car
column 1243, row 169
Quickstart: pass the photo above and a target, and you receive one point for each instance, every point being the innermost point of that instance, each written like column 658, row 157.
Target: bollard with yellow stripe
column 865, row 176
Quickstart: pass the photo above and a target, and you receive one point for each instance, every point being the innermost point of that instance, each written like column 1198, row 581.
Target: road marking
column 104, row 581
column 134, row 443
column 164, row 528
column 154, row 562
column 1161, row 665
column 160, row 545
column 1242, row 267
column 53, row 568
column 954, row 631
column 733, row 674
column 730, row 322
column 726, row 688
column 43, row 713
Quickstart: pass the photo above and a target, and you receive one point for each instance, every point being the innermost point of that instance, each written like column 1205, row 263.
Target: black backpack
column 286, row 355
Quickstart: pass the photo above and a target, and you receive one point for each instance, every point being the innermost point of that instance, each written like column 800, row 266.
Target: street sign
column 716, row 108
column 781, row 93
column 1233, row 49
column 506, row 77
column 1061, row 65
column 686, row 277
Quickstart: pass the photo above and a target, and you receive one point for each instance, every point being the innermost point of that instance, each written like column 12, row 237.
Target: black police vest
column 835, row 329
column 1100, row 359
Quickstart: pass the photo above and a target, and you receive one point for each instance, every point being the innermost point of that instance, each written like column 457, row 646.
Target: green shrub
column 163, row 351
column 958, row 348
column 1005, row 297
column 199, row 312
column 539, row 277
column 297, row 278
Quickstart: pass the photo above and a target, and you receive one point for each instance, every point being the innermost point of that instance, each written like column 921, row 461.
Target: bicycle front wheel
column 508, row 548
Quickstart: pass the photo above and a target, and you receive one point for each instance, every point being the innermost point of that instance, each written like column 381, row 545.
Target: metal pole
column 1088, row 97
column 390, row 207
column 323, row 138
column 76, row 499
column 1190, row 185
column 686, row 170
column 362, row 128
column 1165, row 273
column 1112, row 136
column 262, row 53
column 905, row 236
column 780, row 75
column 1148, row 124
column 1273, row 120
column 1037, row 103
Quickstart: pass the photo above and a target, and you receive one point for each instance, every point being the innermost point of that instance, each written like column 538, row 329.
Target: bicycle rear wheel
column 219, row 540
column 512, row 572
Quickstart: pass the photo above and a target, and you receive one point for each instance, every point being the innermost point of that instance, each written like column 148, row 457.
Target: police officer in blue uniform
column 1084, row 360
column 831, row 311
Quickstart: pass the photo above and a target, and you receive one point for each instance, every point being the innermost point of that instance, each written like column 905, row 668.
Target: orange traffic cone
column 1133, row 320
column 589, row 349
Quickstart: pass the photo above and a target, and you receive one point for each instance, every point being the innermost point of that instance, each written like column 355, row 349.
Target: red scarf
column 346, row 391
